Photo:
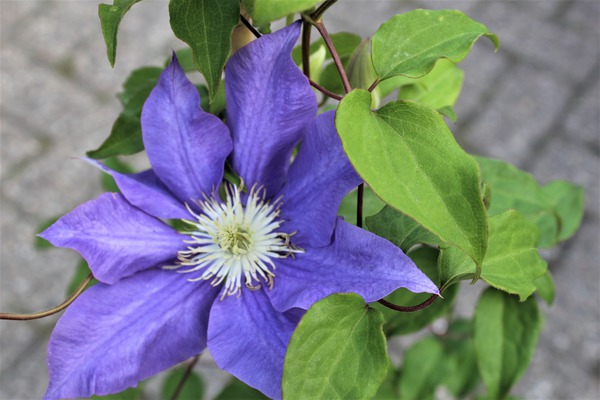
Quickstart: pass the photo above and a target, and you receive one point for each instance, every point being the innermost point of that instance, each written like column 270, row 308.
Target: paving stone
column 555, row 47
column 518, row 115
column 16, row 148
column 582, row 121
column 584, row 15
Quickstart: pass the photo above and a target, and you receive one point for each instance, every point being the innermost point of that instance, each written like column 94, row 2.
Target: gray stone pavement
column 535, row 103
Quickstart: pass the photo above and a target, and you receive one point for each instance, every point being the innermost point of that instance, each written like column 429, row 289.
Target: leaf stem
column 417, row 307
column 249, row 26
column 185, row 377
column 373, row 85
column 316, row 16
column 336, row 58
column 359, row 204
column 42, row 314
column 324, row 91
column 306, row 27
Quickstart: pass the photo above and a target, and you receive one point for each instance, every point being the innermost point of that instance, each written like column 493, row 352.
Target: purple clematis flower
column 251, row 263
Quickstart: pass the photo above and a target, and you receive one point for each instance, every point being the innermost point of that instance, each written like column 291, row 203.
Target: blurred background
column 534, row 103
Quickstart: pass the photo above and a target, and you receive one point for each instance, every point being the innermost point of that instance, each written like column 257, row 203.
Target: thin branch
column 185, row 377
column 306, row 28
column 418, row 307
column 59, row 308
column 373, row 85
column 359, row 205
column 324, row 91
column 336, row 58
column 249, row 26
column 316, row 16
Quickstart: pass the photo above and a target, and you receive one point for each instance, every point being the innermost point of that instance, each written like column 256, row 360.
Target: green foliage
column 134, row 393
column 402, row 323
column 400, row 229
column 126, row 134
column 407, row 155
column 512, row 262
column 545, row 287
column 421, row 369
column 344, row 43
column 360, row 70
column 206, row 26
column 460, row 366
column 506, row 333
column 238, row 390
column 264, row 11
column 110, row 19
column 193, row 388
column 556, row 208
column 371, row 205
column 439, row 89
column 410, row 44
column 338, row 351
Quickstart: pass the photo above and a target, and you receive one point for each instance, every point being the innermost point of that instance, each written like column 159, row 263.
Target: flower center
column 230, row 241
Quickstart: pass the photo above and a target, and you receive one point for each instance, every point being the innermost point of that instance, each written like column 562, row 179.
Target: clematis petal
column 319, row 178
column 248, row 338
column 115, row 238
column 357, row 261
column 145, row 191
column 114, row 336
column 186, row 146
column 269, row 101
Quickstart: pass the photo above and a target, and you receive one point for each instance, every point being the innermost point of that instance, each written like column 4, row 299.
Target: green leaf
column 371, row 205
column 388, row 389
column 410, row 44
column 568, row 201
column 238, row 390
column 506, row 333
column 460, row 372
column 408, row 156
column 344, row 43
column 264, row 11
column 398, row 323
column 193, row 388
column 512, row 262
column 545, row 287
column 421, row 369
column 338, row 351
column 81, row 272
column 206, row 26
column 360, row 70
column 439, row 89
column 110, row 18
column 400, row 229
column 126, row 134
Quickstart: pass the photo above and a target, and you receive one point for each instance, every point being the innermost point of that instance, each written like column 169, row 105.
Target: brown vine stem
column 359, row 205
column 336, row 58
column 249, row 26
column 306, row 27
column 373, row 85
column 185, row 377
column 47, row 313
column 324, row 91
column 417, row 307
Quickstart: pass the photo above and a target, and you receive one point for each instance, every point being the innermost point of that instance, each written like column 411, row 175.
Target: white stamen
column 229, row 240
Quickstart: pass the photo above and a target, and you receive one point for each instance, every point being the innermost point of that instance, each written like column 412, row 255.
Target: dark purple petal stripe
column 319, row 178
column 115, row 238
column 248, row 338
column 357, row 261
column 269, row 101
column 145, row 191
column 186, row 146
column 114, row 336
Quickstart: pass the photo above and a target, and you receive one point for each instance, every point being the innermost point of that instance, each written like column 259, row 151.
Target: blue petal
column 356, row 262
column 319, row 178
column 186, row 146
column 269, row 102
column 145, row 191
column 115, row 238
column 114, row 336
column 248, row 338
